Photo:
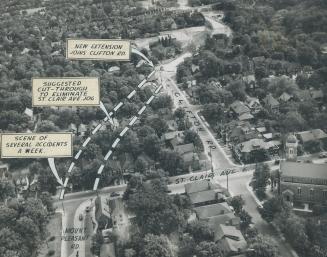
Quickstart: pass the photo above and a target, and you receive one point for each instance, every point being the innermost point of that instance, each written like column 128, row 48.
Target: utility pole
column 211, row 159
column 227, row 182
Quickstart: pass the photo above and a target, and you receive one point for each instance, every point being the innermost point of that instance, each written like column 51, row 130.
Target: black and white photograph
column 163, row 128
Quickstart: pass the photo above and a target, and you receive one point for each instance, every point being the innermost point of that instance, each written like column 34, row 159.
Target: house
column 285, row 97
column 303, row 95
column 203, row 192
column 212, row 210
column 254, row 104
column 250, row 82
column 191, row 83
column 195, row 68
column 240, row 132
column 311, row 135
column 228, row 219
column 303, row 182
column 255, row 150
column 230, row 240
column 271, row 103
column 238, row 108
column 172, row 125
column 245, row 117
column 186, row 148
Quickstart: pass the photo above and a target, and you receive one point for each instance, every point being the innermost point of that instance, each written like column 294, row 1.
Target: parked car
column 323, row 155
column 80, row 217
column 87, row 209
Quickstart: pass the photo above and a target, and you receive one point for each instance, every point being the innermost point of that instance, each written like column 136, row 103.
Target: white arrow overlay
column 103, row 108
column 135, row 51
column 54, row 170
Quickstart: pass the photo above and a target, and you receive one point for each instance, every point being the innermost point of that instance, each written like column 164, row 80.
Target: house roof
column 261, row 129
column 285, row 97
column 172, row 125
column 245, row 116
column 239, row 107
column 186, row 148
column 198, row 186
column 203, row 196
column 270, row 100
column 249, row 146
column 212, row 210
column 303, row 170
column 303, row 95
column 310, row 135
column 249, row 78
column 317, row 94
column 228, row 231
column 223, row 219
column 171, row 135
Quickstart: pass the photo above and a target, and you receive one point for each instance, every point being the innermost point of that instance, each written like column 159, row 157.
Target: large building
column 304, row 183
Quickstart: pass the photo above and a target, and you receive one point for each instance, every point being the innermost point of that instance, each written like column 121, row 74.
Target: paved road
column 237, row 182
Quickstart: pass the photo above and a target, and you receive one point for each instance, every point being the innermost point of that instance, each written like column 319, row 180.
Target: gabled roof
column 234, row 240
column 239, row 107
column 203, row 196
column 186, row 148
column 270, row 101
column 245, row 116
column 212, row 210
column 198, row 186
column 315, row 94
column 310, row 135
column 224, row 219
column 303, row 170
column 285, row 97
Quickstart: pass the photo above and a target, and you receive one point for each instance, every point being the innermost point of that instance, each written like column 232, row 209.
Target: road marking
column 131, row 94
column 87, row 141
column 100, row 169
column 78, row 154
column 150, row 99
column 118, row 106
column 96, row 183
column 71, row 167
column 124, row 131
column 115, row 143
column 142, row 110
column 142, row 83
column 133, row 121
column 108, row 155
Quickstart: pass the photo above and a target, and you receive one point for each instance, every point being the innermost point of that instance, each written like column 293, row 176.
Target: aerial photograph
column 163, row 128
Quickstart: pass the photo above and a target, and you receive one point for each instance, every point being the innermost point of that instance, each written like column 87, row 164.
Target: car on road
column 80, row 217
column 87, row 209
column 114, row 194
column 323, row 155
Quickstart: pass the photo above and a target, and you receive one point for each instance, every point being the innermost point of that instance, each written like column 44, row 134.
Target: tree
column 237, row 203
column 191, row 136
column 246, row 219
column 263, row 246
column 210, row 65
column 180, row 113
column 213, row 113
column 7, row 189
column 156, row 246
column 200, row 231
column 260, row 179
column 186, row 246
column 272, row 207
column 171, row 162
column 208, row 249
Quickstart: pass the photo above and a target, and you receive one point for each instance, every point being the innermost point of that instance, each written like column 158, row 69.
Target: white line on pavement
column 150, row 99
column 96, row 183
column 71, row 167
column 100, row 169
column 133, row 121
column 108, row 155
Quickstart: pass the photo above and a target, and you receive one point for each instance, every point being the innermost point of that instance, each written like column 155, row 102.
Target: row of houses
column 210, row 206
